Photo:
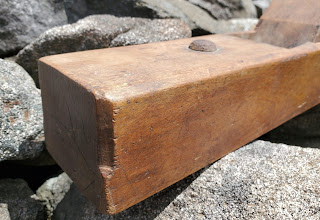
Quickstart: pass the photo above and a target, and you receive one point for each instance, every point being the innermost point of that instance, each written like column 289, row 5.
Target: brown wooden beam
column 125, row 123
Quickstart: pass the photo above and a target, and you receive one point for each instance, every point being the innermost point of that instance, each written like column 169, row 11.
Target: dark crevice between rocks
column 305, row 142
column 259, row 11
column 9, row 54
column 199, row 32
column 35, row 176
column 303, row 130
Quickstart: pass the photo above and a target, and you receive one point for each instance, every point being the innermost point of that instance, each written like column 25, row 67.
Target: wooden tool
column 127, row 122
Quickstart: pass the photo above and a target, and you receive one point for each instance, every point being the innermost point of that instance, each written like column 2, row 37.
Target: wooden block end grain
column 125, row 123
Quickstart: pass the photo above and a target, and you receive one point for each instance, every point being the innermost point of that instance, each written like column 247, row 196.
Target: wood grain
column 127, row 122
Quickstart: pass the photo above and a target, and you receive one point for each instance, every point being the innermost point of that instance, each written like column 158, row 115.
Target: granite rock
column 226, row 9
column 200, row 14
column 98, row 31
column 21, row 118
column 17, row 201
column 261, row 180
column 4, row 212
column 237, row 25
column 51, row 192
column 215, row 9
column 150, row 32
column 23, row 21
column 78, row 9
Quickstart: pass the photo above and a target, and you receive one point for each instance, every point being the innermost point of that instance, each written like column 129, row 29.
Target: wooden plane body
column 125, row 123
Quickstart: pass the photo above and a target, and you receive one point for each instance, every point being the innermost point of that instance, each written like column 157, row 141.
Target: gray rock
column 198, row 14
column 4, row 212
column 23, row 21
column 12, row 58
column 98, row 31
column 261, row 180
column 150, row 32
column 237, row 25
column 192, row 15
column 21, row 126
column 78, row 9
column 18, row 201
column 226, row 9
column 262, row 4
column 303, row 130
column 51, row 192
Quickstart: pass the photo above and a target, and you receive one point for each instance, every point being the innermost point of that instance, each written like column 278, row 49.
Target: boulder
column 78, row 9
column 198, row 14
column 21, row 119
column 226, row 9
column 261, row 180
column 17, row 201
column 23, row 21
column 98, row 31
column 152, row 31
column 51, row 192
column 237, row 25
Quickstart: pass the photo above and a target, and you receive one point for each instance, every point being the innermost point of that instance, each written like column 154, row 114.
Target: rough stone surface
column 21, row 126
column 98, row 31
column 150, row 32
column 18, row 201
column 4, row 212
column 52, row 192
column 261, row 180
column 198, row 14
column 303, row 130
column 261, row 5
column 237, row 25
column 23, row 21
column 226, row 9
column 77, row 9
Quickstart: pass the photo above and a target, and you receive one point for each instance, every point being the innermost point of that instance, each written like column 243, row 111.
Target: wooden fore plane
column 125, row 123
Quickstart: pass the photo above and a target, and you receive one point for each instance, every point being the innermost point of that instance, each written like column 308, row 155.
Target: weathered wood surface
column 125, row 123
column 289, row 23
